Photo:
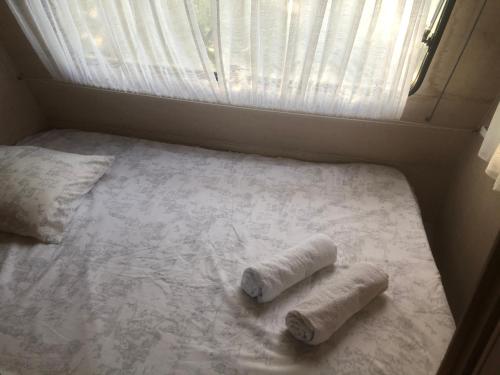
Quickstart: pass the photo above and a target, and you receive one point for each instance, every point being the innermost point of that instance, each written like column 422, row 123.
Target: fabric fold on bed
column 315, row 319
column 266, row 280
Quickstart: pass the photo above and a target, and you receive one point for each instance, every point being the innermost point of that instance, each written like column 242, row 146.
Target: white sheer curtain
column 352, row 58
column 490, row 149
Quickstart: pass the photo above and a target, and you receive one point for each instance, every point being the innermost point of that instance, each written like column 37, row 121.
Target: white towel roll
column 329, row 306
column 266, row 280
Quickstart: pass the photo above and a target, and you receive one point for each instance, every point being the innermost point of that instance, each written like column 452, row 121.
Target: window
column 351, row 58
column 438, row 18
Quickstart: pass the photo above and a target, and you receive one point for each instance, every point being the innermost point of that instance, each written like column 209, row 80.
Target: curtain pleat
column 350, row 58
column 490, row 148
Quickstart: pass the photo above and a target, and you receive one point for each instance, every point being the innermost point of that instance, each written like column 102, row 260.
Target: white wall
column 468, row 226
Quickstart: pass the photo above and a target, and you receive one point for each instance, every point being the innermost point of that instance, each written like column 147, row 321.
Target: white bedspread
column 146, row 280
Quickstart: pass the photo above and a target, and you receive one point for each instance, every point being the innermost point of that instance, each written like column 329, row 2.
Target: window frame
column 432, row 42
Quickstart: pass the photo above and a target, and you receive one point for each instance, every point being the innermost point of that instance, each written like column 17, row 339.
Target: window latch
column 427, row 38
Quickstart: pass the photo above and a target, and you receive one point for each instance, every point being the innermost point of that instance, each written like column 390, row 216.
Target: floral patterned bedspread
column 146, row 280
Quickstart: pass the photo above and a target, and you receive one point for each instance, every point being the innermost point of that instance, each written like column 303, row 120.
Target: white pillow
column 40, row 189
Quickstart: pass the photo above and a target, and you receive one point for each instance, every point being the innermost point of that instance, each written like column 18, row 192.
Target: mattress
column 146, row 280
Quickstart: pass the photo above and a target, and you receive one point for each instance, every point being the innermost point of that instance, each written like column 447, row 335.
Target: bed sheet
column 146, row 280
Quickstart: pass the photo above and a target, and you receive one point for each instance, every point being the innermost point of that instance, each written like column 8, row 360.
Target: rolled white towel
column 266, row 280
column 330, row 305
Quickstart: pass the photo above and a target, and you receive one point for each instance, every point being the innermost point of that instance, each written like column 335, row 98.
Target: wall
column 422, row 153
column 464, row 76
column 20, row 115
column 468, row 225
column 476, row 79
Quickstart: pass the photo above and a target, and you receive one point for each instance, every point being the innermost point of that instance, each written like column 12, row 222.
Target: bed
column 146, row 280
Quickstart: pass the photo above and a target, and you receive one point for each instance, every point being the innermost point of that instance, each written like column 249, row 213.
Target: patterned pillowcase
column 40, row 189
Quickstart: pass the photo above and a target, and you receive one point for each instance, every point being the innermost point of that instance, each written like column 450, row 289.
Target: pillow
column 40, row 189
